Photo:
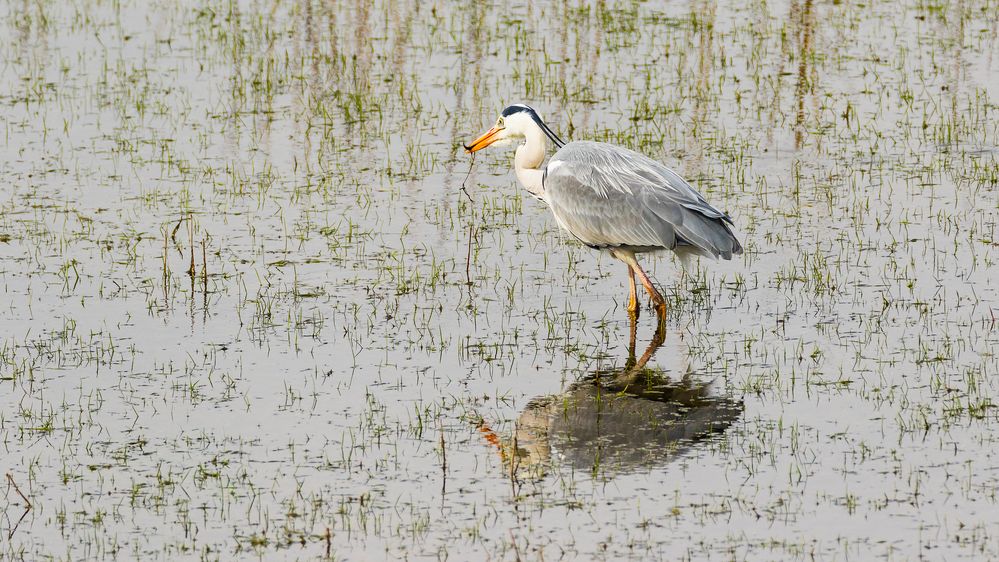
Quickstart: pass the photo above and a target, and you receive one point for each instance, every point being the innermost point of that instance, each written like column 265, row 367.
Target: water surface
column 248, row 313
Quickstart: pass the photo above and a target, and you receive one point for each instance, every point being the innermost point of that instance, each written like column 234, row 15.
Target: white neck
column 528, row 159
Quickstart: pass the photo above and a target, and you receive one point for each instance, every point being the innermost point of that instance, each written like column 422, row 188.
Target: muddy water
column 248, row 313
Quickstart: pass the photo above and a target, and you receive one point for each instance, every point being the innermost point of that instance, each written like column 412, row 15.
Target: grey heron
column 611, row 198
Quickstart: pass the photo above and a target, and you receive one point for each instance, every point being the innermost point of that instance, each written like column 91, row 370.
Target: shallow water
column 248, row 313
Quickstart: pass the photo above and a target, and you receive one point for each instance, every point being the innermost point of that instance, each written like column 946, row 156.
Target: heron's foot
column 661, row 310
column 633, row 304
column 632, row 291
column 660, row 335
column 661, row 320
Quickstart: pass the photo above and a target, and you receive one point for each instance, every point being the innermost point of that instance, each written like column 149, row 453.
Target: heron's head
column 513, row 124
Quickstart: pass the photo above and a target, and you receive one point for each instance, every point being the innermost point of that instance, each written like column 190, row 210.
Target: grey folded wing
column 607, row 196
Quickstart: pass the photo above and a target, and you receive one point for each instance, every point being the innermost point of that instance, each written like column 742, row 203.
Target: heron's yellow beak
column 490, row 136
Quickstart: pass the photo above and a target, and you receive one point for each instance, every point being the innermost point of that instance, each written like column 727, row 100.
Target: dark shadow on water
column 614, row 421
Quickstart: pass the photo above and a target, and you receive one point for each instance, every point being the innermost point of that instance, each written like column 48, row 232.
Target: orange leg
column 633, row 295
column 658, row 301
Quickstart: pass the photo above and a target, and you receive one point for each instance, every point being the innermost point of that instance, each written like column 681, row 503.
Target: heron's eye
column 499, row 122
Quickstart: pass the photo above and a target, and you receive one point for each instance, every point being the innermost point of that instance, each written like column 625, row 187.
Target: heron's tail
column 707, row 236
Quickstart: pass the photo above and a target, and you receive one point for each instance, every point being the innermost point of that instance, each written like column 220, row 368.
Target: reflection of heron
column 612, row 198
column 617, row 420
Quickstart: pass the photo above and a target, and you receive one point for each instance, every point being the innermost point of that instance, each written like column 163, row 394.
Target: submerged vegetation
column 248, row 313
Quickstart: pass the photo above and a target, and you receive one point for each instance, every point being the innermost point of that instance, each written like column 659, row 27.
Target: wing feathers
column 609, row 196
